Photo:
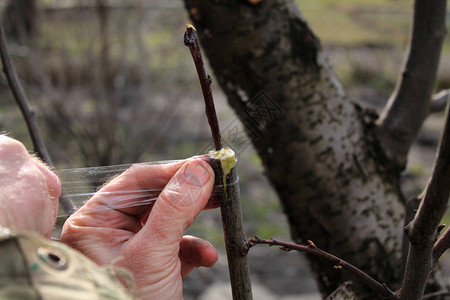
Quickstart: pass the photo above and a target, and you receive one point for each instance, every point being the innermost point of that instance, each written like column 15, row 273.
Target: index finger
column 139, row 182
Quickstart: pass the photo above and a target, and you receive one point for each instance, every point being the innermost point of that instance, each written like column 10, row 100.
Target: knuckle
column 171, row 199
column 171, row 195
column 11, row 146
column 71, row 232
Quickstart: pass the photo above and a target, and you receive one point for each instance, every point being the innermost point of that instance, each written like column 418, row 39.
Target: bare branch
column 410, row 212
column 380, row 288
column 28, row 114
column 233, row 228
column 230, row 205
column 422, row 230
column 191, row 41
column 343, row 292
column 441, row 245
column 436, row 294
column 439, row 101
column 22, row 102
column 409, row 104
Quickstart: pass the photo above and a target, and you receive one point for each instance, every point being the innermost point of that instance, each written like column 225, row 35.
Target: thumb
column 182, row 199
column 153, row 252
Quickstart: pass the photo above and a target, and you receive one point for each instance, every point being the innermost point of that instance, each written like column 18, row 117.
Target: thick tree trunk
column 322, row 157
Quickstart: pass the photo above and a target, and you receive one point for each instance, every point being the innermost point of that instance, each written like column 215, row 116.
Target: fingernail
column 196, row 175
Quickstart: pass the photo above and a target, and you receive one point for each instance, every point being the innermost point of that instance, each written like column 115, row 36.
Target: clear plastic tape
column 81, row 184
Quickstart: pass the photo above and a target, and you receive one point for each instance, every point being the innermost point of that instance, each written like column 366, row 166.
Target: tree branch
column 436, row 294
column 343, row 292
column 410, row 211
column 409, row 104
column 235, row 240
column 423, row 229
column 28, row 114
column 191, row 41
column 22, row 102
column 223, row 161
column 439, row 101
column 380, row 288
column 441, row 245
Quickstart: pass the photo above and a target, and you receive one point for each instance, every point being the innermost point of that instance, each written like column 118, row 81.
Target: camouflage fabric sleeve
column 32, row 267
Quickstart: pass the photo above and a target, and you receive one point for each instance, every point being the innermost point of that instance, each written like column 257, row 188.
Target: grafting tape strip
column 80, row 184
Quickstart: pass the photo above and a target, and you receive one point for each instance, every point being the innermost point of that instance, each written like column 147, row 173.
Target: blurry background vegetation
column 111, row 82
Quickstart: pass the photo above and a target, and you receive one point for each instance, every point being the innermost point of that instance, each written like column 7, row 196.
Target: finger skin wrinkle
column 92, row 241
column 159, row 284
column 165, row 199
column 144, row 174
column 113, row 219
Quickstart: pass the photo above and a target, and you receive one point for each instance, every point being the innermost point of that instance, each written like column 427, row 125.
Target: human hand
column 148, row 239
column 30, row 191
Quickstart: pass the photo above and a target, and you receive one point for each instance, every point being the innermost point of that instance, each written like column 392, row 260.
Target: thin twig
column 423, row 229
column 409, row 104
column 380, row 288
column 436, row 294
column 19, row 96
column 27, row 112
column 191, row 41
column 439, row 101
column 441, row 245
column 344, row 291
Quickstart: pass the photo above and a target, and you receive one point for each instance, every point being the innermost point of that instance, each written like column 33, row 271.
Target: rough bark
column 322, row 156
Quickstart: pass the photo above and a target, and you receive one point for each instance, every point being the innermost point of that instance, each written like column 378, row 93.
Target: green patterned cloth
column 32, row 267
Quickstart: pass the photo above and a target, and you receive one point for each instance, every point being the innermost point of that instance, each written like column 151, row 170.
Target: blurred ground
column 143, row 103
